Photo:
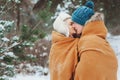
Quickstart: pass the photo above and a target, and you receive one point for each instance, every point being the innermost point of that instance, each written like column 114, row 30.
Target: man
column 97, row 59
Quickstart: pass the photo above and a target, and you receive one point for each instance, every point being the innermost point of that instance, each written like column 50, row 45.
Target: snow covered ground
column 115, row 43
column 30, row 77
column 113, row 40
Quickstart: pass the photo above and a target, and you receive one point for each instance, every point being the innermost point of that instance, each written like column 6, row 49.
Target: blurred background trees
column 26, row 25
column 111, row 8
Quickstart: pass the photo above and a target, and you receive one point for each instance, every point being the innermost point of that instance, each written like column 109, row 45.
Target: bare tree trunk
column 18, row 17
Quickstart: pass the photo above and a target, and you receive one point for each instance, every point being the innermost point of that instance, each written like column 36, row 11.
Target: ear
column 96, row 17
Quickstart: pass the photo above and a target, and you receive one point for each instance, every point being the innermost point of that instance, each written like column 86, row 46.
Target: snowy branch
column 13, row 45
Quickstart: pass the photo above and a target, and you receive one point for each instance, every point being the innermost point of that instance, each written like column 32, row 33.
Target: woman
column 63, row 53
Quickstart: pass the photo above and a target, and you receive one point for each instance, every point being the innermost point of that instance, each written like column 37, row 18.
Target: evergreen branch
column 1, row 45
column 4, row 12
column 36, row 25
column 13, row 45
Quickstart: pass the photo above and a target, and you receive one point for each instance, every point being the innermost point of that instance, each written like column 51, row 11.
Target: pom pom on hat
column 83, row 13
column 90, row 4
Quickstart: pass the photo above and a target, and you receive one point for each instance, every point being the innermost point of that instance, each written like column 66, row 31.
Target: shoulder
column 96, row 17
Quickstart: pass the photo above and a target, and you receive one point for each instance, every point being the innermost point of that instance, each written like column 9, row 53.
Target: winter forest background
column 25, row 28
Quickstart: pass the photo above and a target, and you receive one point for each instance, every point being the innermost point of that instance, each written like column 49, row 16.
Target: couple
column 79, row 48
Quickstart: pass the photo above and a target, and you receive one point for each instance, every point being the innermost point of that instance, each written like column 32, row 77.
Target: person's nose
column 73, row 30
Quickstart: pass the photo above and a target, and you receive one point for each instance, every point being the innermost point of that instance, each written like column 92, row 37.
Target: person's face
column 75, row 29
column 71, row 30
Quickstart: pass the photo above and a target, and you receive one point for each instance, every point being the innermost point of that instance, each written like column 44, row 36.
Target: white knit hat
column 60, row 25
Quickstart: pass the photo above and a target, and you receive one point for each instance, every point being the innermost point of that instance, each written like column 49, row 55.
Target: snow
column 1, row 27
column 6, row 23
column 15, row 38
column 31, row 55
column 27, row 43
column 114, row 42
column 17, row 1
column 30, row 77
column 101, row 9
column 118, row 67
column 5, row 39
column 14, row 44
column 34, row 1
column 11, row 54
column 44, row 54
